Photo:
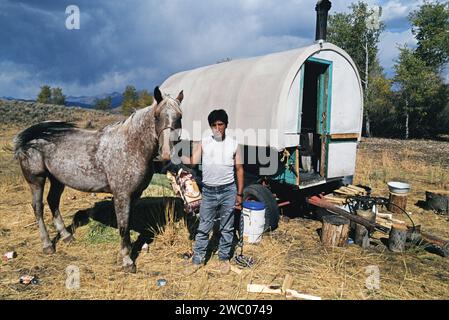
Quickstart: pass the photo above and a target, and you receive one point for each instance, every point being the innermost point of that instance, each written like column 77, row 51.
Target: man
column 220, row 155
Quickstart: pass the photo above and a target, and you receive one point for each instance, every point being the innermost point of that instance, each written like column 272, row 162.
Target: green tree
column 145, row 99
column 103, row 104
column 443, row 116
column 44, row 95
column 352, row 32
column 130, row 100
column 417, row 85
column 430, row 26
column 379, row 103
column 57, row 97
column 439, row 113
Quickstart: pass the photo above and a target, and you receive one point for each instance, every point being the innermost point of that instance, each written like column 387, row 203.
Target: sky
column 143, row 42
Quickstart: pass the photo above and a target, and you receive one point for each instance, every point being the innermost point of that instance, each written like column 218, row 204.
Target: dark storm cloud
column 33, row 34
column 142, row 42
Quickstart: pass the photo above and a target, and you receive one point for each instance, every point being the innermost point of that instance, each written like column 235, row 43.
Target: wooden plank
column 296, row 294
column 335, row 200
column 384, row 222
column 323, row 156
column 358, row 189
column 387, row 216
column 298, row 179
column 287, row 284
column 262, row 288
column 346, row 193
column 344, row 136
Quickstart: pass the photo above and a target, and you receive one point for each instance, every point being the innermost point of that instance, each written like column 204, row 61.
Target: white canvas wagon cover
column 263, row 95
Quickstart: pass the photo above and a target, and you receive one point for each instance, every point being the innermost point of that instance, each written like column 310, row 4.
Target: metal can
column 9, row 255
column 27, row 279
column 161, row 282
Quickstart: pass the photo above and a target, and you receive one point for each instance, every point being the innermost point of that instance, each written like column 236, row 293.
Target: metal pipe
column 322, row 9
column 283, row 204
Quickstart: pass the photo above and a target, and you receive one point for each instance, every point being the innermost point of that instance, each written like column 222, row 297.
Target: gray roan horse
column 116, row 159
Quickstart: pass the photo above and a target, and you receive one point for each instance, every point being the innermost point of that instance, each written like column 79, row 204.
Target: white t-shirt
column 218, row 160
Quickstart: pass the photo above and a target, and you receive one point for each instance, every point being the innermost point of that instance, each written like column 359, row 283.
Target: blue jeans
column 221, row 199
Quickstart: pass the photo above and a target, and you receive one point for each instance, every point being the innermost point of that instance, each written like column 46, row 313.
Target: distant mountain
column 12, row 98
column 83, row 101
column 89, row 101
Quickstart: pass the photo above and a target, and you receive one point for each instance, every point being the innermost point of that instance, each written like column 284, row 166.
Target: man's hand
column 238, row 202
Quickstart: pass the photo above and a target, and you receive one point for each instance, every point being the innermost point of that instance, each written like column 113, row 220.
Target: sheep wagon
column 299, row 111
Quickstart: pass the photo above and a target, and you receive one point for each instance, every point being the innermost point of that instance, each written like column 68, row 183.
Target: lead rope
column 241, row 260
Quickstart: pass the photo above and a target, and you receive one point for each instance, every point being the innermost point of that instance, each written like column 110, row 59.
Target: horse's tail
column 48, row 131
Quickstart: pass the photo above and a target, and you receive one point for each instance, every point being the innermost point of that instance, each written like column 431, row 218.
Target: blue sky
column 142, row 42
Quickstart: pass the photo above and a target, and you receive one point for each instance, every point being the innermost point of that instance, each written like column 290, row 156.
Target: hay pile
column 294, row 248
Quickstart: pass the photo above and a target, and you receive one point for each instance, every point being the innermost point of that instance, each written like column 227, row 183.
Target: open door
column 315, row 119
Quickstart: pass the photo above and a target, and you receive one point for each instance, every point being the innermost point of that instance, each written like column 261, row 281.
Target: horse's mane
column 135, row 116
column 48, row 131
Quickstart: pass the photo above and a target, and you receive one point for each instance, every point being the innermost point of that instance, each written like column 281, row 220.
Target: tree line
column 414, row 102
column 132, row 99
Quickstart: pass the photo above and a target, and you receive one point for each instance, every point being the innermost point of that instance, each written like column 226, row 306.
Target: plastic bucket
column 253, row 221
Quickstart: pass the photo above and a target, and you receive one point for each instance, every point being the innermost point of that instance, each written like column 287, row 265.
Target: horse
column 117, row 159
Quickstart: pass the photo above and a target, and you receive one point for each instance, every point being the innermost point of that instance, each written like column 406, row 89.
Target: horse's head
column 167, row 116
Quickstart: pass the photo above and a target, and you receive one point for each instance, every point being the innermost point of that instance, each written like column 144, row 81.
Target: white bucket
column 253, row 221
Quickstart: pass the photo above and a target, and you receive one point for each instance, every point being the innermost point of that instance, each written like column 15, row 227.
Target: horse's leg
column 122, row 205
column 53, row 199
column 37, row 190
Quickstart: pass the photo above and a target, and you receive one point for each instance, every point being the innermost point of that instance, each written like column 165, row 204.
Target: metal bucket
column 253, row 221
column 398, row 187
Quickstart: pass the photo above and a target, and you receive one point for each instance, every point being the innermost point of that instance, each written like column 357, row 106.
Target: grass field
column 294, row 248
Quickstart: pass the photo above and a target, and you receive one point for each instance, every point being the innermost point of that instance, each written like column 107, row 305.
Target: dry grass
column 293, row 248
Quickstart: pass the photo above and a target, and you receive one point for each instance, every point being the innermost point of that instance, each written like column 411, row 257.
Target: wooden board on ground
column 351, row 190
column 335, row 200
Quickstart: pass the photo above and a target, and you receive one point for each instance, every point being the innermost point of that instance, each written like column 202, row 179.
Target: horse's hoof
column 49, row 250
column 69, row 239
column 130, row 268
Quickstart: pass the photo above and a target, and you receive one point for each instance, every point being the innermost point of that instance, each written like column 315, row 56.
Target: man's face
column 218, row 129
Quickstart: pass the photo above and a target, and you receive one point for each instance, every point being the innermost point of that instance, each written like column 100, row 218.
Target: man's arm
column 240, row 178
column 196, row 155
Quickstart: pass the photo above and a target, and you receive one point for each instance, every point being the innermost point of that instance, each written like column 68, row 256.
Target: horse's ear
column 180, row 96
column 158, row 95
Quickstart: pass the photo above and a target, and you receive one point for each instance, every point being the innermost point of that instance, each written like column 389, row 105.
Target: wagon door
column 336, row 120
column 315, row 118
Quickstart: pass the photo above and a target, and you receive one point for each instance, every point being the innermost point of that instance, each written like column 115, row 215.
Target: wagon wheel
column 262, row 194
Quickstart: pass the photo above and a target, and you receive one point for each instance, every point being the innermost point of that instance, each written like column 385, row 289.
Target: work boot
column 191, row 268
column 225, row 267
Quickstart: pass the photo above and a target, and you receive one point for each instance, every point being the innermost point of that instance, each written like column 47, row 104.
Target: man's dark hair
column 218, row 115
